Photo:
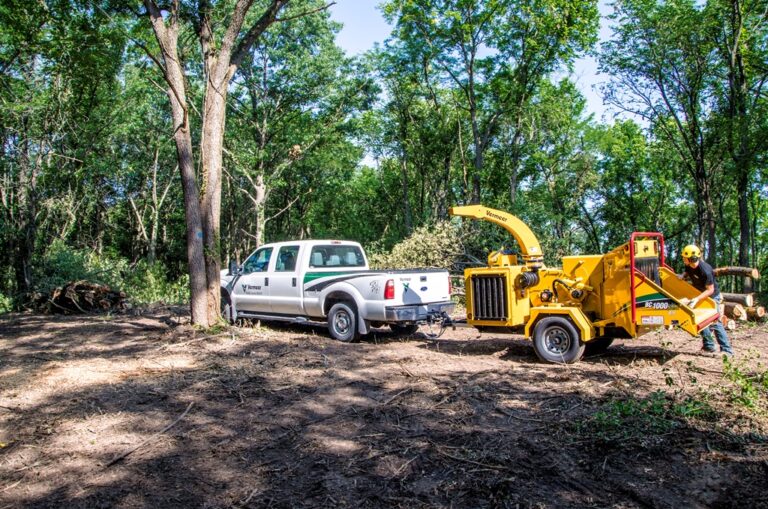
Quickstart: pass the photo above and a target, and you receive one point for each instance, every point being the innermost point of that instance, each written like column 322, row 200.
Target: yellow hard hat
column 691, row 251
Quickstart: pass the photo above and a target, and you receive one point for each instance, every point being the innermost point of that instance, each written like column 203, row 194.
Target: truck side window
column 286, row 259
column 336, row 256
column 258, row 261
column 318, row 257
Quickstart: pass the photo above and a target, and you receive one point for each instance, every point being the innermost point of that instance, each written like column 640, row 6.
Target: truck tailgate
column 421, row 287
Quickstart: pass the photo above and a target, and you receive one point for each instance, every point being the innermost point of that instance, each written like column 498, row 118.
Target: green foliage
column 437, row 246
column 631, row 420
column 62, row 264
column 143, row 283
column 749, row 387
column 6, row 304
column 641, row 422
column 471, row 99
column 149, row 284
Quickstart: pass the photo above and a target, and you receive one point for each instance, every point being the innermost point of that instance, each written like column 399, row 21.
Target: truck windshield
column 336, row 256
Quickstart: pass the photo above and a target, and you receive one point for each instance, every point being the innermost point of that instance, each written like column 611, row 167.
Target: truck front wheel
column 556, row 340
column 226, row 308
column 342, row 323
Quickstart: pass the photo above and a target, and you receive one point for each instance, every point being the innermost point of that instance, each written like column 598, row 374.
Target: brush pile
column 79, row 297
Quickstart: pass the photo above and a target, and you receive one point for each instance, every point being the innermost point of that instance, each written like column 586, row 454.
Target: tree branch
column 307, row 13
column 255, row 31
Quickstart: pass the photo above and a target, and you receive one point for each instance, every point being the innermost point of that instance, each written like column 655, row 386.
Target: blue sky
column 364, row 25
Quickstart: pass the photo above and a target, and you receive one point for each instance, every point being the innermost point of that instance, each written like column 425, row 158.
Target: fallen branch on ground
column 122, row 456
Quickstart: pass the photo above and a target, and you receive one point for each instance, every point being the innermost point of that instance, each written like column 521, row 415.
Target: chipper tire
column 556, row 340
column 342, row 323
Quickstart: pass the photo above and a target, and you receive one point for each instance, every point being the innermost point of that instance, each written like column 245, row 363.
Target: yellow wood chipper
column 584, row 305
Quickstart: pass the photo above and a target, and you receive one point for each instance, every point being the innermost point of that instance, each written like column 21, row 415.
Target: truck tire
column 597, row 346
column 404, row 330
column 342, row 323
column 556, row 340
column 226, row 308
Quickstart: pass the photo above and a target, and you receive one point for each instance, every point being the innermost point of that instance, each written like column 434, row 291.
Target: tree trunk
column 211, row 153
column 260, row 204
column 406, row 195
column 444, row 189
column 711, row 226
column 740, row 146
column 167, row 38
column 220, row 61
column 27, row 207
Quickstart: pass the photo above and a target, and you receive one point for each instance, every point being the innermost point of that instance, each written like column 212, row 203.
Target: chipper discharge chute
column 587, row 303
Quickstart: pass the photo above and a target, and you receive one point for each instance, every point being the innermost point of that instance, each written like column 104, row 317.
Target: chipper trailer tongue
column 586, row 304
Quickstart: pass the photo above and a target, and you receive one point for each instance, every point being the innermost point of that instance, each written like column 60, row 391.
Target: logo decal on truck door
column 251, row 289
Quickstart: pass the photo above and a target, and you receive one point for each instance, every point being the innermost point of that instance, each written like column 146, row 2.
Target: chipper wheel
column 556, row 340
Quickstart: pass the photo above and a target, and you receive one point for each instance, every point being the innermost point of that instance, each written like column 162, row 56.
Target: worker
column 702, row 278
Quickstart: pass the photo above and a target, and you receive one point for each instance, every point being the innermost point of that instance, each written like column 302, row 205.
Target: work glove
column 692, row 303
column 681, row 277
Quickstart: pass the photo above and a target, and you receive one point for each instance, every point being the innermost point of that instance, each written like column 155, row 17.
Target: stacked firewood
column 81, row 297
column 738, row 307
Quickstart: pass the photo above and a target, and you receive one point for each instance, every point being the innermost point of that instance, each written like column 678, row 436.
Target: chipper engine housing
column 586, row 303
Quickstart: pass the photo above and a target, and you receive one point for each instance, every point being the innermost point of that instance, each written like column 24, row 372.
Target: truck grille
column 489, row 298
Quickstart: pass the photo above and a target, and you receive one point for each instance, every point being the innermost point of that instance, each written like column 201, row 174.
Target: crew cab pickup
column 329, row 281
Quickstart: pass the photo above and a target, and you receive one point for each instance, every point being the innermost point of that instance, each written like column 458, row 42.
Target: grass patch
column 748, row 388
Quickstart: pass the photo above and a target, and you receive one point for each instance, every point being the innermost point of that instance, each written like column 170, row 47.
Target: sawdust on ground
column 144, row 411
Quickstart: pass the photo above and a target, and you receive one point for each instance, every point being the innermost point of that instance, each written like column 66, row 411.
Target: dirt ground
column 144, row 411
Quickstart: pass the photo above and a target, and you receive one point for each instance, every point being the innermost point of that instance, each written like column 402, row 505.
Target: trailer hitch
column 441, row 321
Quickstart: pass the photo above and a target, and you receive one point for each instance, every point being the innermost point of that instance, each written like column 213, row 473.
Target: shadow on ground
column 280, row 418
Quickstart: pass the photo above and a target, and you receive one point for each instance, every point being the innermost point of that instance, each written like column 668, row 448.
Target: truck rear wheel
column 342, row 323
column 556, row 340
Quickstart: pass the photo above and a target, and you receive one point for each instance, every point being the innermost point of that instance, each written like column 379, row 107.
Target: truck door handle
column 293, row 281
column 266, row 281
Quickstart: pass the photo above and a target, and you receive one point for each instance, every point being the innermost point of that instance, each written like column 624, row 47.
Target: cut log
column 745, row 299
column 756, row 313
column 728, row 323
column 738, row 271
column 735, row 311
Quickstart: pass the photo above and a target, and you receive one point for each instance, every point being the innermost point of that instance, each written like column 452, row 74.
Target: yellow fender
column 576, row 315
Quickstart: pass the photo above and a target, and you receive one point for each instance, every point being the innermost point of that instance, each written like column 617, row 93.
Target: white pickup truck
column 329, row 281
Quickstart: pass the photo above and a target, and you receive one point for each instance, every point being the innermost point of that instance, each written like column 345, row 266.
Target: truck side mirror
column 233, row 268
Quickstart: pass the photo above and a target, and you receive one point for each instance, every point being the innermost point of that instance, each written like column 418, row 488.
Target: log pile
column 81, row 297
column 739, row 307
